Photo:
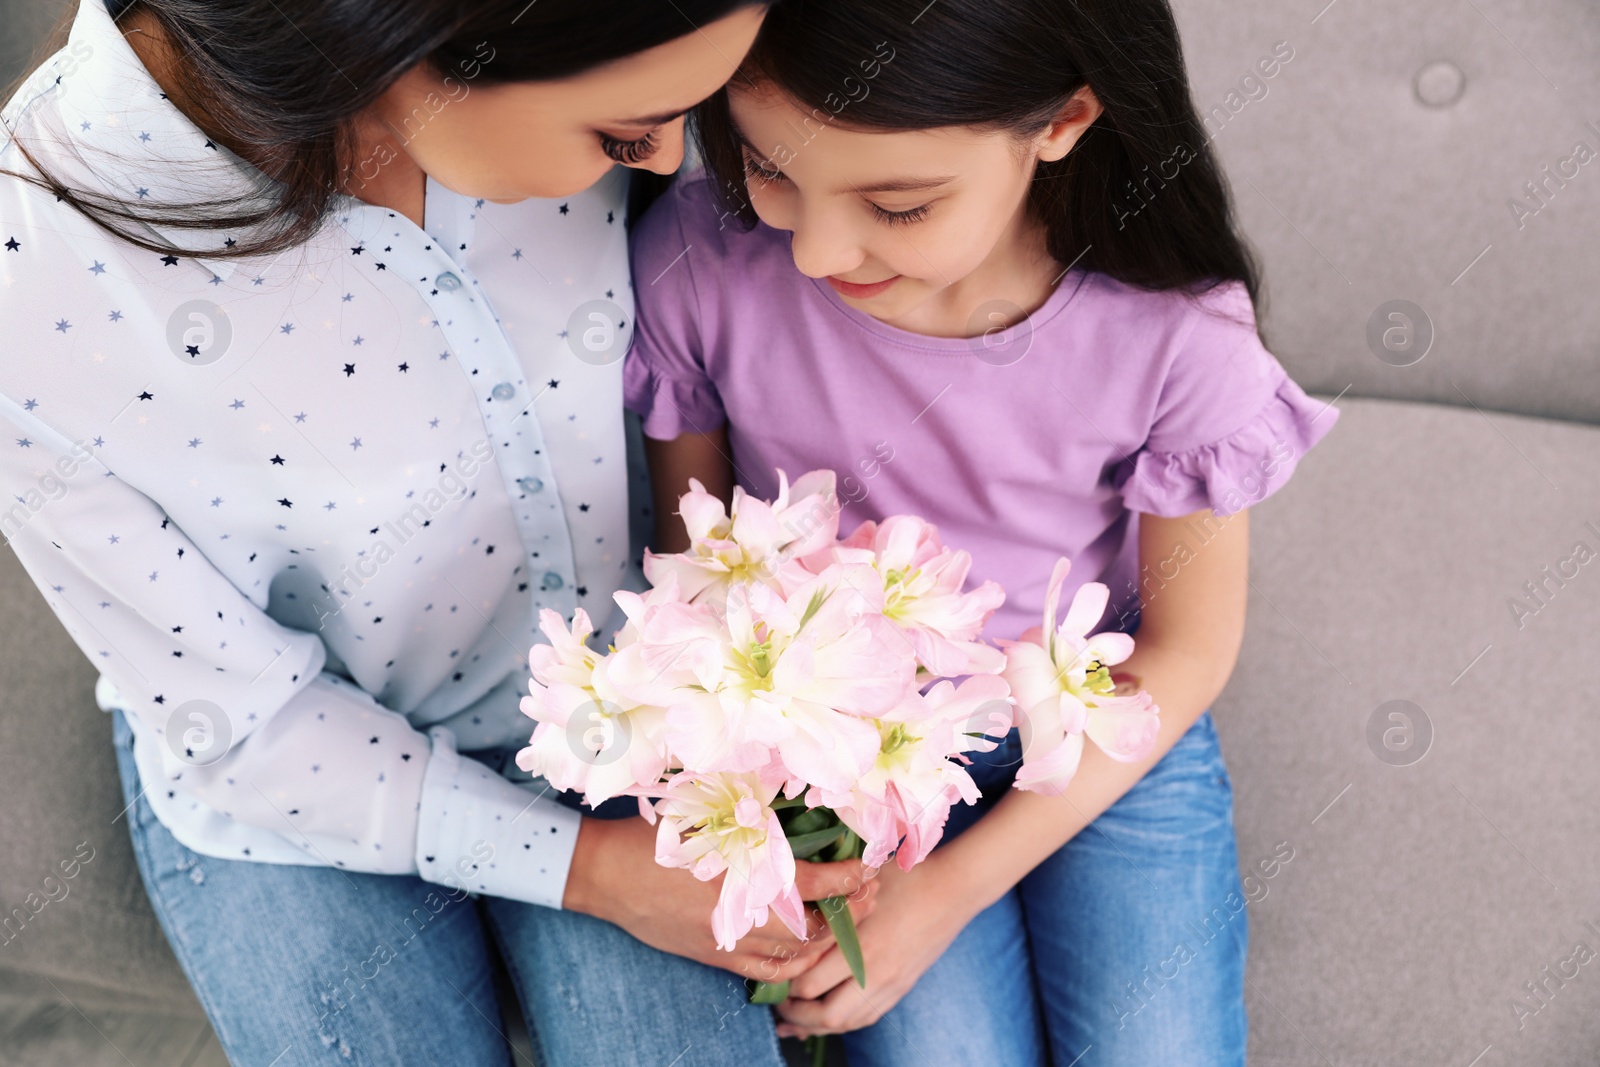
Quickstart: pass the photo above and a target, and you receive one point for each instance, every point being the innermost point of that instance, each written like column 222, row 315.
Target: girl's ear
column 1076, row 116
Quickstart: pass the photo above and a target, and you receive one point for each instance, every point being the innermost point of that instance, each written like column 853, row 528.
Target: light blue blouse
column 302, row 511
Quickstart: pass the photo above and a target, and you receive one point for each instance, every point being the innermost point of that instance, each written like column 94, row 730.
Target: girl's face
column 894, row 220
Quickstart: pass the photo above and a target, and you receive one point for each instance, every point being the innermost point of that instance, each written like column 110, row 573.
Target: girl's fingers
column 810, row 951
column 817, row 928
column 861, row 908
column 844, row 878
column 828, row 972
column 777, row 961
column 832, row 1014
column 789, row 970
column 783, row 943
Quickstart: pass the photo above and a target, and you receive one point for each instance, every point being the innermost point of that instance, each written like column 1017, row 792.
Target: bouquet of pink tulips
column 782, row 694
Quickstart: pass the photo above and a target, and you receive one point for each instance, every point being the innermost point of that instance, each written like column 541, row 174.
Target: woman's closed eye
column 629, row 152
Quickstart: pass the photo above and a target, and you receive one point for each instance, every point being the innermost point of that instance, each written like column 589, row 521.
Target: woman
column 312, row 402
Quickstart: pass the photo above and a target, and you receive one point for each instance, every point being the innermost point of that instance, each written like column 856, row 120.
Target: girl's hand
column 615, row 876
column 921, row 914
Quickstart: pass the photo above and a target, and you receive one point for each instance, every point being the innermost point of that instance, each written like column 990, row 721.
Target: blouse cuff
column 669, row 407
column 1237, row 471
column 481, row 833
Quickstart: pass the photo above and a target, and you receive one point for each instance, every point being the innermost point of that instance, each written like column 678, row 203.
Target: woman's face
column 507, row 142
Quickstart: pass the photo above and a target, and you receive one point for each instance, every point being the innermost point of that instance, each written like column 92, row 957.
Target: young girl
column 976, row 256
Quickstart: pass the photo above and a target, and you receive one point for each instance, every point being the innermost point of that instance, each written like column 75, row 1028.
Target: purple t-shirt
column 1043, row 440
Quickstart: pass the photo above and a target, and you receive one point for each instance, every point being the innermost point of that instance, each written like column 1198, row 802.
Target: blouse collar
column 116, row 133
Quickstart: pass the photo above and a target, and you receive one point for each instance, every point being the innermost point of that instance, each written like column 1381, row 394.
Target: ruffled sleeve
column 1231, row 425
column 664, row 377
column 668, row 405
column 1239, row 470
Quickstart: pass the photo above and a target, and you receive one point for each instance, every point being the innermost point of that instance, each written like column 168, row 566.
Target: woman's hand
column 918, row 914
column 615, row 876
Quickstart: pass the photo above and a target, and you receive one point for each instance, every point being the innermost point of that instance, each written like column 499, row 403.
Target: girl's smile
column 861, row 290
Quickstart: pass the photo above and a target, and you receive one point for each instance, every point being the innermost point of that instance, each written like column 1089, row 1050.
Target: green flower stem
column 769, row 992
column 817, row 835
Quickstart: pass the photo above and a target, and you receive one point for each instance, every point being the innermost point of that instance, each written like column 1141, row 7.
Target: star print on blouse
column 381, row 519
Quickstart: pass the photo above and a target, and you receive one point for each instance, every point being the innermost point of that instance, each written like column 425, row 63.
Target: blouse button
column 448, row 282
column 503, row 391
column 530, row 484
column 552, row 580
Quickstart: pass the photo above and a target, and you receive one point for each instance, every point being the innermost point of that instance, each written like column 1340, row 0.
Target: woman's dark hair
column 278, row 82
column 1140, row 196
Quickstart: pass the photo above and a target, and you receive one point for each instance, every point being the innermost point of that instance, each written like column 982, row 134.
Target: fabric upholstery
column 1420, row 901
column 1356, row 192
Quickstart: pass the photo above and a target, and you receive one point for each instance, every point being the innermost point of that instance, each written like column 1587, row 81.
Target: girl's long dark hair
column 278, row 82
column 1139, row 198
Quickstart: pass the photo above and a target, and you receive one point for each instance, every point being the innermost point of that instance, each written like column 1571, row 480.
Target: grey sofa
column 1413, row 721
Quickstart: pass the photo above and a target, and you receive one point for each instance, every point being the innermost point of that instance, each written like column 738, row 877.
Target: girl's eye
column 900, row 218
column 761, row 170
column 629, row 152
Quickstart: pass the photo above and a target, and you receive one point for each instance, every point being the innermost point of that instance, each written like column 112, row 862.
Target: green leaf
column 808, row 821
column 807, row 845
column 768, row 992
column 850, row 846
column 837, row 911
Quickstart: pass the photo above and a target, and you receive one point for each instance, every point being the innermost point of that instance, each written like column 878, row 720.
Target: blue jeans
column 299, row 965
column 1125, row 947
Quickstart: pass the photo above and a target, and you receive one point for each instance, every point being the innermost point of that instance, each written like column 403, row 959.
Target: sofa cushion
column 1423, row 893
column 1382, row 160
column 93, row 933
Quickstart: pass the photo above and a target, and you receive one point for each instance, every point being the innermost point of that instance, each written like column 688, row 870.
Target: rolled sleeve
column 490, row 835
